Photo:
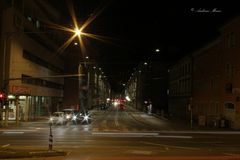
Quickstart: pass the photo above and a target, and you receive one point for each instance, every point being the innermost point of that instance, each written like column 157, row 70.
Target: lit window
column 37, row 24
column 29, row 18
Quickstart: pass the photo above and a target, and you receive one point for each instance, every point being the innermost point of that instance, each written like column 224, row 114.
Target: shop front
column 29, row 107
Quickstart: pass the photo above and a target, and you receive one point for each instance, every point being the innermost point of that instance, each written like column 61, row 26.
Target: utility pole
column 81, row 86
column 190, row 107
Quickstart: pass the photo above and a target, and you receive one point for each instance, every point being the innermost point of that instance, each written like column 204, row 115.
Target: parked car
column 57, row 118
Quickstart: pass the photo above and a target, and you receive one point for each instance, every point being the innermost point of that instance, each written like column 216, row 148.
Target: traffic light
column 2, row 98
column 1, row 95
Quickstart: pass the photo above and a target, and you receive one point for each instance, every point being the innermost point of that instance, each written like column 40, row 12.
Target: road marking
column 125, row 134
column 18, row 130
column 170, row 146
column 13, row 132
column 180, row 137
column 6, row 145
column 141, row 152
column 231, row 154
column 139, row 134
column 208, row 142
column 104, row 124
column 116, row 120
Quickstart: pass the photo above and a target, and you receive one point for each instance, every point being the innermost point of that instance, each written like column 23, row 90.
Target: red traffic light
column 2, row 95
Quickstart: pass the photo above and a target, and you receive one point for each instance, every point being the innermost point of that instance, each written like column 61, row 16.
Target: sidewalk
column 182, row 124
column 7, row 153
column 13, row 124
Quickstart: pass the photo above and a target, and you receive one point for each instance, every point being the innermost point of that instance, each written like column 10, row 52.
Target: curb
column 160, row 117
column 11, row 153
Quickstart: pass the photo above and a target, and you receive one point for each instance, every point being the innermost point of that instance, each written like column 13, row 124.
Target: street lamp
column 157, row 50
column 83, row 81
column 78, row 32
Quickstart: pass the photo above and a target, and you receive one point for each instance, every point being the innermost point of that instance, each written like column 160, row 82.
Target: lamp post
column 81, row 96
column 84, row 86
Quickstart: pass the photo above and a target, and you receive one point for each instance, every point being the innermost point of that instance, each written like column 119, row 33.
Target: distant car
column 85, row 117
column 70, row 114
column 122, row 107
column 57, row 118
column 103, row 106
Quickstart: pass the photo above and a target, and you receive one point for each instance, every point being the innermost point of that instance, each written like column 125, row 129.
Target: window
column 37, row 24
column 228, row 88
column 231, row 40
column 40, row 82
column 29, row 18
column 229, row 70
column 229, row 105
column 30, row 56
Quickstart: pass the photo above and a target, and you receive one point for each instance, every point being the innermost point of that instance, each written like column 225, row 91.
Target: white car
column 57, row 118
column 70, row 114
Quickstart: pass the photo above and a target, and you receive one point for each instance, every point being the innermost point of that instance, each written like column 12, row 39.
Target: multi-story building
column 216, row 78
column 29, row 59
column 87, row 91
column 148, row 85
column 180, row 87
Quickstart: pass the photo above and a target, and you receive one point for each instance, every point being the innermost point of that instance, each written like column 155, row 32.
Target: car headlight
column 74, row 118
column 86, row 117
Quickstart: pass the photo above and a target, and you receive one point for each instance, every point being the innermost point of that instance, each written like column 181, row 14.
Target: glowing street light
column 78, row 32
column 157, row 50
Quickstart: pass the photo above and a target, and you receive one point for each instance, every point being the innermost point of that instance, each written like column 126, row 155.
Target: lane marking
column 140, row 134
column 170, row 146
column 116, row 120
column 180, row 137
column 141, row 152
column 125, row 134
column 231, row 154
column 18, row 130
column 6, row 145
column 13, row 132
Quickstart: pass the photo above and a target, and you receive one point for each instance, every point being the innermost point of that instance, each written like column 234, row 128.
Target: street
column 124, row 133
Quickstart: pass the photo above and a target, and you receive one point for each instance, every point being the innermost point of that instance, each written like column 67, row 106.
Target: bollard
column 50, row 139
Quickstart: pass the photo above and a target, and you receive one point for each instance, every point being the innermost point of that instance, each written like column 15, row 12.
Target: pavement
column 183, row 124
column 11, row 153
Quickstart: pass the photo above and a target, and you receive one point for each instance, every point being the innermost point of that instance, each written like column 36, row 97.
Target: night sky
column 135, row 28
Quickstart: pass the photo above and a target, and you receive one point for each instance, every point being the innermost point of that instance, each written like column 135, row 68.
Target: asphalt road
column 128, row 134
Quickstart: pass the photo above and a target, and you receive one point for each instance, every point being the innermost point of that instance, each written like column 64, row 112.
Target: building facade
column 216, row 78
column 29, row 60
column 180, row 87
column 87, row 91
